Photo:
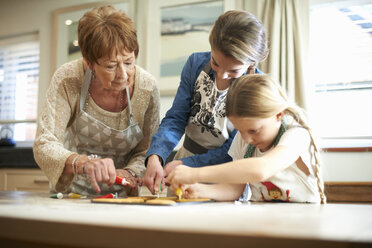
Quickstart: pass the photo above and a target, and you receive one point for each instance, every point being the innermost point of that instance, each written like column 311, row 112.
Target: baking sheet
column 154, row 201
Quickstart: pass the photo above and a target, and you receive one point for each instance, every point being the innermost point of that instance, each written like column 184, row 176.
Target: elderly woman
column 100, row 112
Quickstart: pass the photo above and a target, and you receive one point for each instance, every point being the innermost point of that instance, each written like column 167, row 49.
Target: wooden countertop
column 35, row 220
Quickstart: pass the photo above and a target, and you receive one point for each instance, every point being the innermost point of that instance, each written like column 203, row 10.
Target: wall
column 22, row 16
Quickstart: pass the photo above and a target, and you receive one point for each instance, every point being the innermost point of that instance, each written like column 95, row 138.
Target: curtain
column 287, row 26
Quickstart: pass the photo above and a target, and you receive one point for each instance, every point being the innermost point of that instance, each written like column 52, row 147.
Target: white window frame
column 16, row 39
column 344, row 142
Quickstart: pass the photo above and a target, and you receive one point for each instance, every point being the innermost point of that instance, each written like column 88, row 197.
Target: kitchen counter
column 35, row 220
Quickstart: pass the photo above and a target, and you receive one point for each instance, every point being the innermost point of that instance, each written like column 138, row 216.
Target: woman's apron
column 90, row 136
column 208, row 127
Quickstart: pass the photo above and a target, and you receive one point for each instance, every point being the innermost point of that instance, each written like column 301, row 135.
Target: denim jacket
column 173, row 125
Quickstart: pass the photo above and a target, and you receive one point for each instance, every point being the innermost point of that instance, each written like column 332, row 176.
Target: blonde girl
column 274, row 150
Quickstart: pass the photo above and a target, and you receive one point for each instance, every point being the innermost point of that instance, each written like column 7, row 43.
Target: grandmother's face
column 117, row 71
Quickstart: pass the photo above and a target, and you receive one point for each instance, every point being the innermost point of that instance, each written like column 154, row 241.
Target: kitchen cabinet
column 32, row 180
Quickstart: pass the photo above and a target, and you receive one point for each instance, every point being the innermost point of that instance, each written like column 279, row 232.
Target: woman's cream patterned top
column 62, row 106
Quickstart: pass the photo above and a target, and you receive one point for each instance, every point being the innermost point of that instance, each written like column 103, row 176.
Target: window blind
column 19, row 78
column 340, row 69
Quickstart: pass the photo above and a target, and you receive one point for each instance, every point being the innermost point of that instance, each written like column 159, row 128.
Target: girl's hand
column 182, row 175
column 190, row 191
column 193, row 191
column 99, row 170
column 169, row 167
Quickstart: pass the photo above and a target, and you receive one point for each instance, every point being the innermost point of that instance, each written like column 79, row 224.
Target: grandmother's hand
column 134, row 182
column 128, row 177
column 100, row 170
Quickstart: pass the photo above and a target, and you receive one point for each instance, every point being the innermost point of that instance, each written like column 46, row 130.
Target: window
column 341, row 69
column 19, row 78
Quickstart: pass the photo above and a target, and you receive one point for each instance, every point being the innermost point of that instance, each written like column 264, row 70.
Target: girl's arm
column 251, row 169
column 241, row 171
column 218, row 192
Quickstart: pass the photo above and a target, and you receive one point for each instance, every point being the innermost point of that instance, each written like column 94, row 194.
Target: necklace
column 121, row 100
column 283, row 128
column 121, row 107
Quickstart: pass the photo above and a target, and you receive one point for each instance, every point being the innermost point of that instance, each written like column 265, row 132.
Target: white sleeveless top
column 290, row 184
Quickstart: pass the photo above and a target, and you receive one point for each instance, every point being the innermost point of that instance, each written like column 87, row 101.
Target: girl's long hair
column 258, row 96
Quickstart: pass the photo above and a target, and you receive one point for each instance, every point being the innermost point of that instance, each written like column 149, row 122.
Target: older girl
column 273, row 151
column 238, row 44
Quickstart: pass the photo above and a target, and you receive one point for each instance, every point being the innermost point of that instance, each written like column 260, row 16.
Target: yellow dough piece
column 194, row 200
column 124, row 200
column 145, row 198
column 160, row 202
column 173, row 198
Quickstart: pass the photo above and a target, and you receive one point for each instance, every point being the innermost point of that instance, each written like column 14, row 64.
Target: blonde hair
column 105, row 30
column 258, row 96
column 240, row 35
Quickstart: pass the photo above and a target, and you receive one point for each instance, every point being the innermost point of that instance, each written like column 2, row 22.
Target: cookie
column 121, row 200
column 193, row 200
column 160, row 201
